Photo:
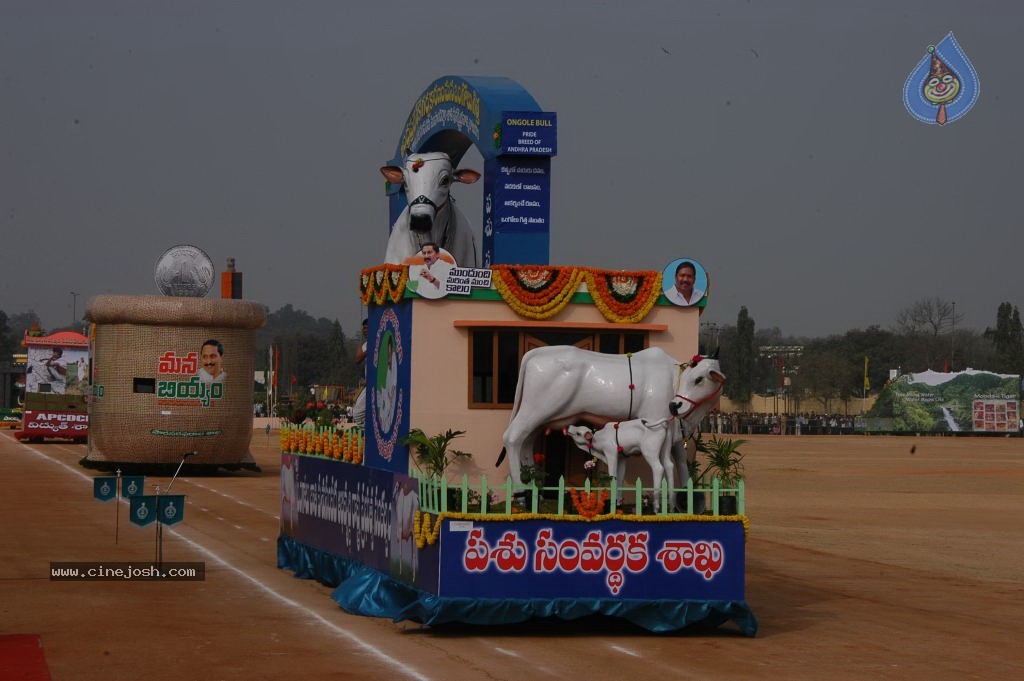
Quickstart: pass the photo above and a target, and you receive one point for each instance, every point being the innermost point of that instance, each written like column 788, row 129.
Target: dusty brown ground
column 865, row 561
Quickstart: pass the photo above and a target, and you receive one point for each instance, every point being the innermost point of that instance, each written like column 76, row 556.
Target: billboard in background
column 57, row 369
column 967, row 401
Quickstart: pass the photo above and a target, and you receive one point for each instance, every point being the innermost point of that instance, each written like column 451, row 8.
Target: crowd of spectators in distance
column 752, row 423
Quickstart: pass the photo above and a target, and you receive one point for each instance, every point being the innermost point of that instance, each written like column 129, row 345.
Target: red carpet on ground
column 23, row 658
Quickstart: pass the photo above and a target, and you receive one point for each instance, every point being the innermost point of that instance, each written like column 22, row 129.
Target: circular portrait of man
column 685, row 282
column 428, row 270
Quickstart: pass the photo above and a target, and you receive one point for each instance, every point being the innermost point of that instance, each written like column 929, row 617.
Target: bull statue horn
column 714, row 355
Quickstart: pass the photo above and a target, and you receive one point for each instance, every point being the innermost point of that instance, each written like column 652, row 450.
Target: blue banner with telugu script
column 687, row 559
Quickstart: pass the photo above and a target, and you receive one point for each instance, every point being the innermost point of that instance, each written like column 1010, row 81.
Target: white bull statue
column 431, row 216
column 562, row 385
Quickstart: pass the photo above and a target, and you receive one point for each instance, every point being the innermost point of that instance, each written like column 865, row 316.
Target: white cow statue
column 616, row 440
column 561, row 385
column 431, row 215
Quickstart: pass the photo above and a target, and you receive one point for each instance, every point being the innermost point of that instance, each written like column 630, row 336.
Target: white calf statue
column 431, row 215
column 561, row 385
column 615, row 441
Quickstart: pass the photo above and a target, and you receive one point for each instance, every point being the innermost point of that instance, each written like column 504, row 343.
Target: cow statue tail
column 501, row 457
column 519, row 389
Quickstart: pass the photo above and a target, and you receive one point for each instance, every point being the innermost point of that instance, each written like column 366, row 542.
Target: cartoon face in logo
column 942, row 86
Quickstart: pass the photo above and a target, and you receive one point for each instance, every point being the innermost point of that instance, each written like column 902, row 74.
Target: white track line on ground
column 625, row 651
column 234, row 499
column 349, row 636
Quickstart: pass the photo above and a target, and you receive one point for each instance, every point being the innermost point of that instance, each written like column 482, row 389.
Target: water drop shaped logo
column 943, row 86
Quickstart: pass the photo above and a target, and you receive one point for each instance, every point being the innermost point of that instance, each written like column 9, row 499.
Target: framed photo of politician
column 685, row 282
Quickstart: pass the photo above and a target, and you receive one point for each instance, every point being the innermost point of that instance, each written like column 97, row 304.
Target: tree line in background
column 927, row 335
column 829, row 370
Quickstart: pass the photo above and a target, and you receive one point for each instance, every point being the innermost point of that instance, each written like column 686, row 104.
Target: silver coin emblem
column 184, row 271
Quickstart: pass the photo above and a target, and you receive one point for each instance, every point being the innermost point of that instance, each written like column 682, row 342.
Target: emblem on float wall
column 387, row 397
column 943, row 86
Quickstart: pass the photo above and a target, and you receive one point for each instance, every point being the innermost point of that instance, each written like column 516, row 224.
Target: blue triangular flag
column 172, row 508
column 143, row 509
column 132, row 485
column 104, row 488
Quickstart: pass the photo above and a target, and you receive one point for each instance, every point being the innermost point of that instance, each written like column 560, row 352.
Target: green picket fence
column 437, row 496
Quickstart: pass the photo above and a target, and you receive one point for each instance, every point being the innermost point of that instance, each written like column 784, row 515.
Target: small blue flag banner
column 104, row 488
column 172, row 508
column 132, row 485
column 143, row 509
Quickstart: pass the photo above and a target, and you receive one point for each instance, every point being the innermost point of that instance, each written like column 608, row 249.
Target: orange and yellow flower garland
column 623, row 297
column 380, row 283
column 588, row 504
column 536, row 291
column 539, row 291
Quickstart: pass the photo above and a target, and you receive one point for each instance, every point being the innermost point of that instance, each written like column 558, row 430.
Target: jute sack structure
column 152, row 401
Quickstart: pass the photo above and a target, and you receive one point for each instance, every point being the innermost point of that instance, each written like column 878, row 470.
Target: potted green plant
column 723, row 460
column 695, row 474
column 531, row 474
column 432, row 456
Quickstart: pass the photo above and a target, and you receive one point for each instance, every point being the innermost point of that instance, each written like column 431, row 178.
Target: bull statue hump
column 431, row 215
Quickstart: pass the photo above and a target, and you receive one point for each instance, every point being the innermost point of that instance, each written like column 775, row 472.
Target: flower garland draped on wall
column 623, row 297
column 536, row 291
column 383, row 282
column 539, row 291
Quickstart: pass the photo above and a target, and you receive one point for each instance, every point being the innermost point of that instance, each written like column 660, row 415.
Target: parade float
column 411, row 518
column 172, row 374
column 56, row 387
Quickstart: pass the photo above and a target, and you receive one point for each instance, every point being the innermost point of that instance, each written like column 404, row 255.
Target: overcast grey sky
column 767, row 140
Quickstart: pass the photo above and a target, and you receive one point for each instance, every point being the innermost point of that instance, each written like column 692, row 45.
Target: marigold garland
column 623, row 297
column 588, row 504
column 422, row 531
column 536, row 291
column 378, row 284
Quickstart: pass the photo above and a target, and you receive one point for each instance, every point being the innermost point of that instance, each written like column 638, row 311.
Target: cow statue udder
column 561, row 385
column 431, row 215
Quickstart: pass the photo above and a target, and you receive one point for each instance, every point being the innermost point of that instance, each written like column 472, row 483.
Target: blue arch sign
column 516, row 140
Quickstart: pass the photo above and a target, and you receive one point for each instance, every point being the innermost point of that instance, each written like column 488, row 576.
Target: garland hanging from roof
column 623, row 297
column 378, row 284
column 536, row 291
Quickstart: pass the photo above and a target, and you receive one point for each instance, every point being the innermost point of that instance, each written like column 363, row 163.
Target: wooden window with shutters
column 496, row 349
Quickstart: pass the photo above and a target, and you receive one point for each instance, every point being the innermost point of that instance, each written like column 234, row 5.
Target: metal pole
column 159, row 538
column 952, row 339
column 74, row 308
column 175, row 476
column 159, row 525
column 117, row 501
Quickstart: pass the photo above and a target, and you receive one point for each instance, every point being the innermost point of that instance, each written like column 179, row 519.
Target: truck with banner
column 969, row 401
column 56, row 387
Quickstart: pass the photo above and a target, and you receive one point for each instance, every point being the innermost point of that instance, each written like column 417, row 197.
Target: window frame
column 592, row 334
